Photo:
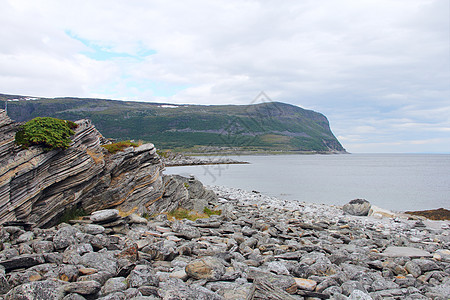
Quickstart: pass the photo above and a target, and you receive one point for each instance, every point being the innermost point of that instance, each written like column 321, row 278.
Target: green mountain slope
column 272, row 126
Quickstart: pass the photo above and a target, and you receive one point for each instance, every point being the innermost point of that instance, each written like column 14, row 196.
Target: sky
column 378, row 69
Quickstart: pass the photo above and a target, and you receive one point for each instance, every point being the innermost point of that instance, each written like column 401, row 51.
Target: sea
column 397, row 182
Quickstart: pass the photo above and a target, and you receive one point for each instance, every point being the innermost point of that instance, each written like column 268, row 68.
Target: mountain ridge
column 269, row 126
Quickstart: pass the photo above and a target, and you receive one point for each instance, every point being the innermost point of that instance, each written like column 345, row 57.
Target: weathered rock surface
column 39, row 187
column 255, row 251
column 394, row 251
column 357, row 207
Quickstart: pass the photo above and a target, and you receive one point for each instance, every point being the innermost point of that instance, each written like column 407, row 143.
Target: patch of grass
column 186, row 185
column 48, row 132
column 164, row 153
column 182, row 213
column 73, row 213
column 119, row 146
column 210, row 212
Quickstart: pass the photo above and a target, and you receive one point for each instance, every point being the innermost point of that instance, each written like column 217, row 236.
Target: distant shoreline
column 262, row 153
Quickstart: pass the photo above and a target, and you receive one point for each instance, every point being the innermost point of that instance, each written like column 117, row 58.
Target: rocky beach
column 259, row 247
column 171, row 159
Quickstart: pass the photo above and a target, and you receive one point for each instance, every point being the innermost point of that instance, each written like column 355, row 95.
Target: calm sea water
column 397, row 182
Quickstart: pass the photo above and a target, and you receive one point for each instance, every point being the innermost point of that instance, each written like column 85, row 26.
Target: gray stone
column 100, row 261
column 114, row 296
column 65, row 237
column 115, row 284
column 23, row 261
column 359, row 295
column 177, row 289
column 47, row 289
column 42, row 246
column 135, row 219
column 25, row 237
column 426, row 265
column 186, row 231
column 236, row 290
column 394, row 251
column 284, row 282
column 264, row 289
column 413, row 269
column 382, row 284
column 105, row 216
column 357, row 207
column 88, row 287
column 101, row 277
column 142, row 275
column 277, row 268
column 74, row 297
column 4, row 285
column 208, row 268
column 93, row 229
column 349, row 286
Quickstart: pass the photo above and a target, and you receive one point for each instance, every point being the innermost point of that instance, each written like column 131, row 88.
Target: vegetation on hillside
column 270, row 126
column 47, row 132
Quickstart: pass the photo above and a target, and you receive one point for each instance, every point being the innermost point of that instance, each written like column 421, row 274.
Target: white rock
column 104, row 215
column 393, row 251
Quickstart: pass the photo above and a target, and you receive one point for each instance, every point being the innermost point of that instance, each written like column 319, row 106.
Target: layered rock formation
column 39, row 186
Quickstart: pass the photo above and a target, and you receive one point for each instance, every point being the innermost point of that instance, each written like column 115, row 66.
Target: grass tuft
column 119, row 146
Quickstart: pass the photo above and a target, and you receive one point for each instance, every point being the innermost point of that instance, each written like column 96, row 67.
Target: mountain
column 271, row 126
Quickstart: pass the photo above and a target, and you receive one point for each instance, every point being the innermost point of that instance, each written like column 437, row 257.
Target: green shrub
column 48, row 132
column 119, row 146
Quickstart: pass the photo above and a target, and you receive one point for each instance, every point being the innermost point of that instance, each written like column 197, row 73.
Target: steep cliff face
column 40, row 186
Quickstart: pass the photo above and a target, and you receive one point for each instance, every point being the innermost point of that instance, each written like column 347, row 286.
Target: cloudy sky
column 378, row 69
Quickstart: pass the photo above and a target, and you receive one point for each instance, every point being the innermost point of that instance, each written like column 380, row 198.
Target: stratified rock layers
column 39, row 186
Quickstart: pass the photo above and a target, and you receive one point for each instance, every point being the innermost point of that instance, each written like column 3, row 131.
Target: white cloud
column 380, row 65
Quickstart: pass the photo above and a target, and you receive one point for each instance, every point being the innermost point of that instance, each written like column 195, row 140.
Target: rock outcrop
column 38, row 186
column 357, row 207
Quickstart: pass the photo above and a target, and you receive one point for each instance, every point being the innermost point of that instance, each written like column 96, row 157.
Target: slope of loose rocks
column 259, row 248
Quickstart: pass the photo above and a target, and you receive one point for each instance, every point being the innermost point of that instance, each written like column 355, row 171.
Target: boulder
column 47, row 289
column 208, row 268
column 87, row 287
column 394, row 251
column 116, row 284
column 104, row 216
column 142, row 275
column 357, row 207
column 22, row 261
column 64, row 237
column 100, row 261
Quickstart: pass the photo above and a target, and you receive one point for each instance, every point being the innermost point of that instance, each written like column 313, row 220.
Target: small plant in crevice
column 119, row 146
column 73, row 213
